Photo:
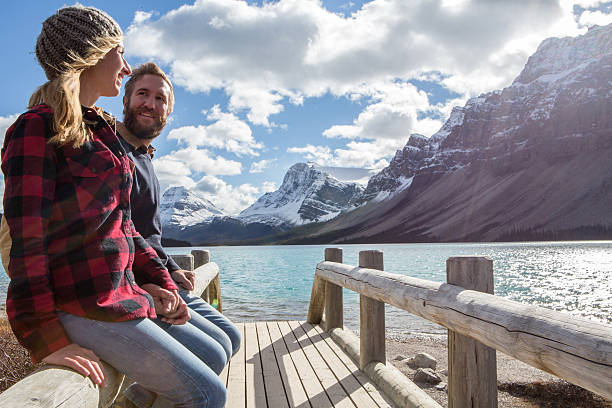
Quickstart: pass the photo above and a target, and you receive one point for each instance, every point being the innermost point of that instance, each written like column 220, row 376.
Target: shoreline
column 519, row 385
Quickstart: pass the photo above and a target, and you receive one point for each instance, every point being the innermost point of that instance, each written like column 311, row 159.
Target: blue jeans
column 153, row 358
column 221, row 329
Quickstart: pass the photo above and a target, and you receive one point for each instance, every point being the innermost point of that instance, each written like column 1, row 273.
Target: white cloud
column 280, row 52
column 258, row 167
column 392, row 116
column 200, row 161
column 357, row 154
column 268, row 186
column 321, row 155
column 230, row 199
column 172, row 173
column 180, row 167
column 590, row 18
column 141, row 17
column 227, row 132
column 5, row 123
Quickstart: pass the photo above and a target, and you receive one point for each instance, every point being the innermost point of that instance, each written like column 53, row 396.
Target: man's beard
column 130, row 120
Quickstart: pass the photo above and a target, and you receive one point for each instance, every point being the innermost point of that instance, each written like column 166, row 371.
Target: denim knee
column 232, row 339
column 218, row 398
column 235, row 337
column 217, row 358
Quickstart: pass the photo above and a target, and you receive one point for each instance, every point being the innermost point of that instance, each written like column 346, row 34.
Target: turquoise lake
column 274, row 282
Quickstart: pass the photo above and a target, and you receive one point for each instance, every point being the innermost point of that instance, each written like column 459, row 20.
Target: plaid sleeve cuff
column 46, row 340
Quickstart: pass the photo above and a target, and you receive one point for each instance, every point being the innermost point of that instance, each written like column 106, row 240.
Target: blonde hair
column 62, row 93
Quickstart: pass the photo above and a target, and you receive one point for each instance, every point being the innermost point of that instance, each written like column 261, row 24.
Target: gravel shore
column 519, row 385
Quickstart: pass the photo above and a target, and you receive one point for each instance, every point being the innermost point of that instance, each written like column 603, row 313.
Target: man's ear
column 124, row 100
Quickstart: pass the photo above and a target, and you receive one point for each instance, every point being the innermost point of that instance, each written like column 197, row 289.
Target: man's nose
column 149, row 102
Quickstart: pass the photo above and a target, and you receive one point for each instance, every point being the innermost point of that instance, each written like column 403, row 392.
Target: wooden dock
column 319, row 363
column 295, row 364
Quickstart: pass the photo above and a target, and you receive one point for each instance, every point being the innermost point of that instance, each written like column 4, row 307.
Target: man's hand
column 81, row 360
column 164, row 300
column 185, row 279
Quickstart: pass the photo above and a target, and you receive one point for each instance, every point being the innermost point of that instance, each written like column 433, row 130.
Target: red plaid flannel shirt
column 73, row 241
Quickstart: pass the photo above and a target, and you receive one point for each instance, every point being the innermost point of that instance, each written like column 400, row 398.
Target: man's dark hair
column 150, row 68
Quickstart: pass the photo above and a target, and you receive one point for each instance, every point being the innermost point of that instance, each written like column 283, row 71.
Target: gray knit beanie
column 70, row 29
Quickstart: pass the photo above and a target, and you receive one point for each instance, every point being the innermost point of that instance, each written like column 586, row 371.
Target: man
column 148, row 101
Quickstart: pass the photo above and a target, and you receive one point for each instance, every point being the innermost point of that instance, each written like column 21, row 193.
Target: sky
column 261, row 85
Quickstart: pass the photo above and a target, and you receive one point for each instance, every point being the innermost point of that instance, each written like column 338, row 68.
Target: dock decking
column 295, row 364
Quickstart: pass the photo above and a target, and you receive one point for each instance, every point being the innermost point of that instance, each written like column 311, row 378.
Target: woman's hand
column 165, row 301
column 180, row 315
column 185, row 279
column 169, row 306
column 81, row 360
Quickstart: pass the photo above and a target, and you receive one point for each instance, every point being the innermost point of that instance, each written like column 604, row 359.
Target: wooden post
column 184, row 261
column 371, row 317
column 472, row 366
column 201, row 257
column 334, row 307
column 214, row 291
column 317, row 294
column 317, row 301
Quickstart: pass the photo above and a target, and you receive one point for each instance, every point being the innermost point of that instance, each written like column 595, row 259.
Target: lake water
column 274, row 282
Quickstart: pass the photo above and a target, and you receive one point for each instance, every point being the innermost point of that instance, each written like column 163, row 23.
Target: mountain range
column 530, row 161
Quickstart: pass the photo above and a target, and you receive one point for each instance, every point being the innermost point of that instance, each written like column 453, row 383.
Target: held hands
column 168, row 304
column 81, row 360
column 184, row 278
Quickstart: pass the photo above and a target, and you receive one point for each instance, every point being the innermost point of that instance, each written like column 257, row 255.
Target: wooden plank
column 275, row 390
column 377, row 395
column 334, row 390
column 472, row 366
column 572, row 348
column 293, row 385
column 255, row 390
column 353, row 388
column 314, row 390
column 223, row 375
column 236, row 392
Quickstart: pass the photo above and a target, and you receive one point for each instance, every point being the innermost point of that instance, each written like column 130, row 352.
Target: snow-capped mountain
column 562, row 74
column 306, row 195
column 180, row 208
column 532, row 158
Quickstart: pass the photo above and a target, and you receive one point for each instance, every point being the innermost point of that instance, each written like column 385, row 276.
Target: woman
column 72, row 299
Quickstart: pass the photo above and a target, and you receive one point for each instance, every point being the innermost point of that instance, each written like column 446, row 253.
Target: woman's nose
column 126, row 68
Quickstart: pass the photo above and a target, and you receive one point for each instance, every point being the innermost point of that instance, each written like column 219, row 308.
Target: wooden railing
column 54, row 386
column 572, row 348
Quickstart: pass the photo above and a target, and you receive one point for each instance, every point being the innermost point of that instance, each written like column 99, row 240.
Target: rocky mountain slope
column 530, row 161
column 306, row 195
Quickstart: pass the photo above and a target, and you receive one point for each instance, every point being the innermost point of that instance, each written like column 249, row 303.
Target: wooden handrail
column 572, row 348
column 54, row 386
